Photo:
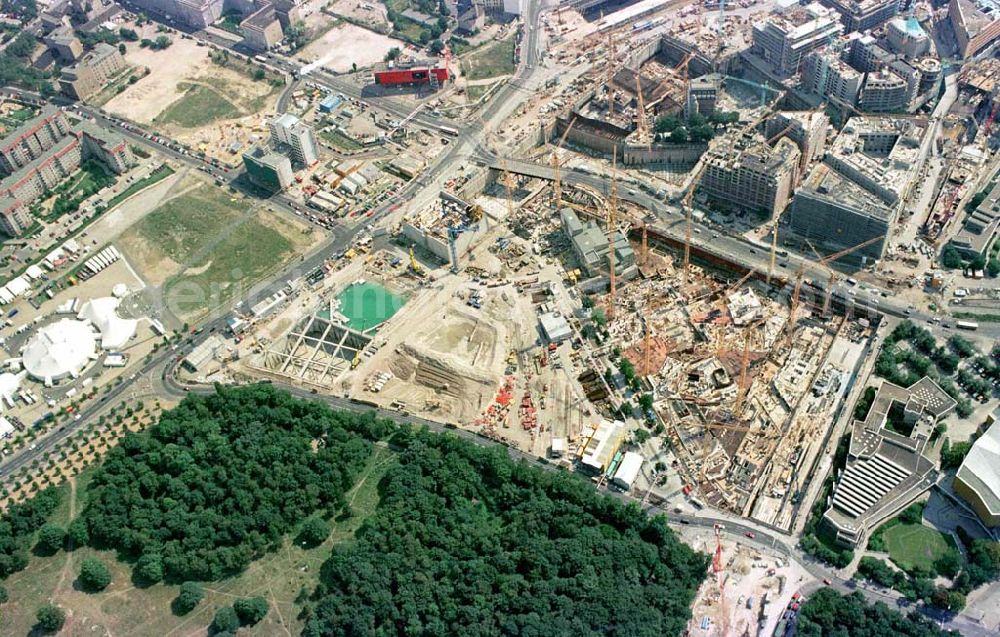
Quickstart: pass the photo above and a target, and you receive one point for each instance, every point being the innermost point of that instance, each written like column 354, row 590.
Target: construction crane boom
column 824, row 262
column 612, row 206
column 556, row 165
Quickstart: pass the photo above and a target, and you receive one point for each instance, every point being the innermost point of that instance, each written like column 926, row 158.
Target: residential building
column 784, row 39
column 288, row 12
column 976, row 25
column 92, row 72
column 107, row 147
column 262, row 29
column 828, row 76
column 498, row 8
column 806, row 128
column 194, row 13
column 752, row 176
column 30, row 140
column 43, row 174
column 14, row 217
column 288, row 130
column 42, row 152
column 268, row 170
column 907, row 37
column 978, row 477
column 64, row 44
column 862, row 15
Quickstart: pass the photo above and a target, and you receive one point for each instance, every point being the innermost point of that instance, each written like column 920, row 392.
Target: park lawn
column 911, row 545
column 124, row 609
column 490, row 61
column 199, row 106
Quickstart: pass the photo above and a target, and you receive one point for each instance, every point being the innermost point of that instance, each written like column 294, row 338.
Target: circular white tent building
column 59, row 350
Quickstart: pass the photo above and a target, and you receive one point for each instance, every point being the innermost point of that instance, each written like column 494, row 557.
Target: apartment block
column 44, row 173
column 784, row 38
column 262, row 29
column 104, row 146
column 289, row 131
column 92, row 72
column 194, row 13
column 14, row 217
column 751, row 175
column 31, row 139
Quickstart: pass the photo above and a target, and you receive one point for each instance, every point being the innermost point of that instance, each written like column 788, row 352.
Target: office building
column 976, row 25
column 886, row 92
column 92, row 72
column 590, row 245
column 30, row 140
column 862, row 15
column 268, row 170
column 856, row 193
column 703, row 92
column 751, row 176
column 289, row 131
column 828, row 76
column 865, row 54
column 784, row 38
column 806, row 128
column 980, row 229
column 905, row 36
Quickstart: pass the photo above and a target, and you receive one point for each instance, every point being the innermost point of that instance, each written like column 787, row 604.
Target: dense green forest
column 828, row 613
column 465, row 541
column 222, row 478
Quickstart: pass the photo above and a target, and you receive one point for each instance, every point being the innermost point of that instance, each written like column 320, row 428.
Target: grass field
column 124, row 609
column 159, row 174
column 187, row 223
column 912, row 545
column 491, row 61
column 474, row 93
column 198, row 106
column 340, row 140
column 207, row 249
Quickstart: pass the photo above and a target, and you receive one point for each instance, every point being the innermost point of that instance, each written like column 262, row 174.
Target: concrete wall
column 671, row 156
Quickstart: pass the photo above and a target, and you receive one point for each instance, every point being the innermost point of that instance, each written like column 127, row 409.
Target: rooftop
column 981, row 468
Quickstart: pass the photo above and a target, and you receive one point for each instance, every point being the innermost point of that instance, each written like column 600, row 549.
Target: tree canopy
column 222, row 478
column 465, row 541
column 829, row 613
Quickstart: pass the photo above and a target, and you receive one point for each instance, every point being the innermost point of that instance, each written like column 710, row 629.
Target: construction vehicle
column 415, row 267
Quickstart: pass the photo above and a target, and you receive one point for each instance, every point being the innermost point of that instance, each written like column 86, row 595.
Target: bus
column 448, row 130
column 967, row 325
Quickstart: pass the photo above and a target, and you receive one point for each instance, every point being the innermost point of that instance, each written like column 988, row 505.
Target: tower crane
column 824, row 261
column 610, row 75
column 612, row 209
column 686, row 205
column 507, row 189
column 557, row 185
column 641, row 121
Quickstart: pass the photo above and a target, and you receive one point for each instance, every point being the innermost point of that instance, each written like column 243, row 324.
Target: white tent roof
column 981, row 468
column 34, row 272
column 18, row 286
column 59, row 349
column 10, row 384
column 115, row 331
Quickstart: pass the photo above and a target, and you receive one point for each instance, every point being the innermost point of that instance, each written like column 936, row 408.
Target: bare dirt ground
column 175, row 70
column 347, row 44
